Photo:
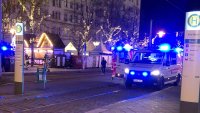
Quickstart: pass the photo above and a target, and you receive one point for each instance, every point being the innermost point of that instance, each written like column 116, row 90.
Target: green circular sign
column 18, row 29
column 194, row 20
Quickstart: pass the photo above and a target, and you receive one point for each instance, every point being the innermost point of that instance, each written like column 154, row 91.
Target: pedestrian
column 26, row 61
column 103, row 65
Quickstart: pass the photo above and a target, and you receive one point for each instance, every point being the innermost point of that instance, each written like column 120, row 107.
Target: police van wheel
column 178, row 79
column 161, row 84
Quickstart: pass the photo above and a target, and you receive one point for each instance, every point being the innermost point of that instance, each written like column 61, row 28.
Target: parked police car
column 153, row 67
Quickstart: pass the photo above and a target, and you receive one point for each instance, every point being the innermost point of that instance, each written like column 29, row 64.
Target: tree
column 32, row 13
column 26, row 11
column 84, row 34
column 9, row 14
column 117, row 21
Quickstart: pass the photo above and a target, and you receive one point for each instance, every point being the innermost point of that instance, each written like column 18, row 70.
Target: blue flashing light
column 119, row 48
column 178, row 49
column 165, row 47
column 112, row 48
column 145, row 74
column 4, row 48
column 127, row 47
column 132, row 73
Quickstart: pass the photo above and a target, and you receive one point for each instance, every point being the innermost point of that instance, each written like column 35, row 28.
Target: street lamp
column 32, row 41
column 161, row 34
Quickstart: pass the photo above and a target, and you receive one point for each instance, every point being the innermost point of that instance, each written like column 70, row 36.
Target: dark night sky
column 167, row 15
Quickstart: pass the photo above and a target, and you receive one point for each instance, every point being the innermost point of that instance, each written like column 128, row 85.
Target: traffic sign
column 19, row 29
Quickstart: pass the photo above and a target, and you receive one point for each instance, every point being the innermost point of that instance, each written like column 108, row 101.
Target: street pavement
column 164, row 101
column 95, row 93
column 34, row 69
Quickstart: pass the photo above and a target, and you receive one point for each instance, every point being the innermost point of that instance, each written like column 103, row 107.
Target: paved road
column 72, row 92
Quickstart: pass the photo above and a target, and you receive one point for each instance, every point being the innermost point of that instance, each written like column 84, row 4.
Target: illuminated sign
column 19, row 29
column 194, row 20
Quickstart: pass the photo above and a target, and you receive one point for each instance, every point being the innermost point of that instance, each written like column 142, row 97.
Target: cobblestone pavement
column 77, row 92
column 164, row 101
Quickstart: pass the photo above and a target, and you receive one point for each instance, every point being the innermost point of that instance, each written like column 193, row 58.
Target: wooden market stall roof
column 51, row 40
column 70, row 47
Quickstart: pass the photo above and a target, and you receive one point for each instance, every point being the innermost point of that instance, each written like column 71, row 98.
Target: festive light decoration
column 96, row 43
column 44, row 35
column 26, row 43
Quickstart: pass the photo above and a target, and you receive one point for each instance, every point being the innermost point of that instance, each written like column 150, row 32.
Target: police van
column 150, row 67
column 153, row 67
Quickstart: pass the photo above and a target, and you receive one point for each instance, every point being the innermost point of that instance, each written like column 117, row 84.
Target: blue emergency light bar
column 119, row 48
column 164, row 47
column 4, row 48
column 112, row 48
column 178, row 49
column 145, row 74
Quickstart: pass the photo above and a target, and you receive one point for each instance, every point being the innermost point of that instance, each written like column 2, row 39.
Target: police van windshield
column 148, row 57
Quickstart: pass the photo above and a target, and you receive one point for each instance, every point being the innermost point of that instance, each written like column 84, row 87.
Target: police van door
column 120, row 62
column 166, row 68
column 174, row 68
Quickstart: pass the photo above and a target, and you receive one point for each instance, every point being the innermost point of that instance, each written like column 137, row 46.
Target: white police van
column 153, row 67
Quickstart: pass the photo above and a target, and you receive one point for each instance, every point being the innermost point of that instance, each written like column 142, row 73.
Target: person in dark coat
column 103, row 65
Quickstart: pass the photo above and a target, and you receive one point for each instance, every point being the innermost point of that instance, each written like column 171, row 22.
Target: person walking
column 26, row 61
column 103, row 65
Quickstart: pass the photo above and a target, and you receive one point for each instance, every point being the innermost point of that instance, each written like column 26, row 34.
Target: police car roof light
column 4, row 48
column 145, row 74
column 178, row 49
column 165, row 47
column 132, row 72
column 119, row 48
column 112, row 48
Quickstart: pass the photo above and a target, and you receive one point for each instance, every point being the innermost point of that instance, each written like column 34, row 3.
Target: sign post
column 19, row 59
column 1, row 35
column 189, row 101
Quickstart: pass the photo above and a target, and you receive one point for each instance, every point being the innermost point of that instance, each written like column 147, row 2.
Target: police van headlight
column 155, row 73
column 126, row 70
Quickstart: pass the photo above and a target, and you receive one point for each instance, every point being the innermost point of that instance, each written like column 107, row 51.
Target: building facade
column 65, row 19
column 67, row 16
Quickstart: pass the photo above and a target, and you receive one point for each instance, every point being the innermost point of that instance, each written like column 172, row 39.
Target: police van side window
column 173, row 58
